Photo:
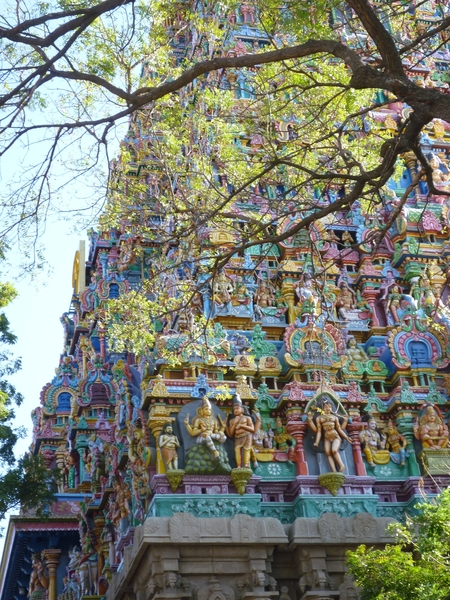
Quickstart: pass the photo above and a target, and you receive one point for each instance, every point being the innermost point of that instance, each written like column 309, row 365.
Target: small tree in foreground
column 417, row 566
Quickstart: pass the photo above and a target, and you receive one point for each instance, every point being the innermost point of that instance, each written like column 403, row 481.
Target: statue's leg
column 253, row 458
column 210, row 444
column 248, row 447
column 368, row 454
column 247, row 454
column 327, row 448
column 335, row 450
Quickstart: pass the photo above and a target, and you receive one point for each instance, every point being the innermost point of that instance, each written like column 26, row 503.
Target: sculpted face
column 327, row 408
column 207, row 412
column 372, row 425
column 169, row 429
column 431, row 416
column 238, row 409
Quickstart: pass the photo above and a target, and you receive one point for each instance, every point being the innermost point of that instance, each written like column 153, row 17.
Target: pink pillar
column 296, row 428
column 354, row 430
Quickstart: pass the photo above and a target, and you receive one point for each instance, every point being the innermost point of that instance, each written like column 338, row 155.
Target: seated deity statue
column 264, row 295
column 355, row 353
column 431, row 430
column 373, row 445
column 346, row 300
column 223, row 289
column 206, row 427
column 396, row 444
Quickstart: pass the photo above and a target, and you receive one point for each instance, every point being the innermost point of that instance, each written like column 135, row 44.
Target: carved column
column 297, row 428
column 52, row 561
column 370, row 295
column 102, row 335
column 354, row 429
column 80, row 445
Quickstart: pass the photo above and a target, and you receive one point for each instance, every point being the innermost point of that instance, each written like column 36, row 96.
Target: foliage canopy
column 417, row 566
column 306, row 91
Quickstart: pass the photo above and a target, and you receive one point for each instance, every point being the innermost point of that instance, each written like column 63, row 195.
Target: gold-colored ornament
column 240, row 478
column 332, row 482
column 175, row 477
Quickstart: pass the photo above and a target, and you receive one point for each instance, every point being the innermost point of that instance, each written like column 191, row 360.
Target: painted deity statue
column 264, row 299
column 373, row 445
column 39, row 580
column 306, row 294
column 396, row 444
column 346, row 300
column 138, row 453
column 393, row 304
column 169, row 444
column 431, row 430
column 355, row 353
column 206, row 427
column 241, row 428
column 333, row 434
column 223, row 290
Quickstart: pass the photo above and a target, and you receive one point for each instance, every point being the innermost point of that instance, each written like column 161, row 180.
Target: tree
column 78, row 70
column 417, row 566
column 25, row 482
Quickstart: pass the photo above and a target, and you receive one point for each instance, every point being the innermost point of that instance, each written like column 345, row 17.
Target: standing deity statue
column 333, row 434
column 307, row 294
column 39, row 579
column 122, row 499
column 206, row 427
column 393, row 305
column 169, row 444
column 241, row 428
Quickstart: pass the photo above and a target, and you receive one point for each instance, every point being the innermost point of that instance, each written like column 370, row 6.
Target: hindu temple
column 322, row 414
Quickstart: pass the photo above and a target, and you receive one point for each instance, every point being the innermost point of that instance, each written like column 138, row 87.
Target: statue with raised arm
column 206, row 427
column 333, row 432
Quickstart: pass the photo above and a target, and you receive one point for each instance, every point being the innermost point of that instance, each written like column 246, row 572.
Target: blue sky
column 34, row 318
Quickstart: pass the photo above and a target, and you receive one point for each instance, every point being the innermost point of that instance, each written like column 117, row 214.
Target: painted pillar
column 354, row 429
column 52, row 561
column 297, row 428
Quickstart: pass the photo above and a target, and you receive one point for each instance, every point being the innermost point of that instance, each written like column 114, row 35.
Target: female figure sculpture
column 333, row 434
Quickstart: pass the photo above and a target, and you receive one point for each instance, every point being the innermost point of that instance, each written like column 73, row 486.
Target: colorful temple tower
column 309, row 414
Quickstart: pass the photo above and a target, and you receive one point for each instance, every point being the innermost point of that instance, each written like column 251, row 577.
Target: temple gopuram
column 321, row 416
